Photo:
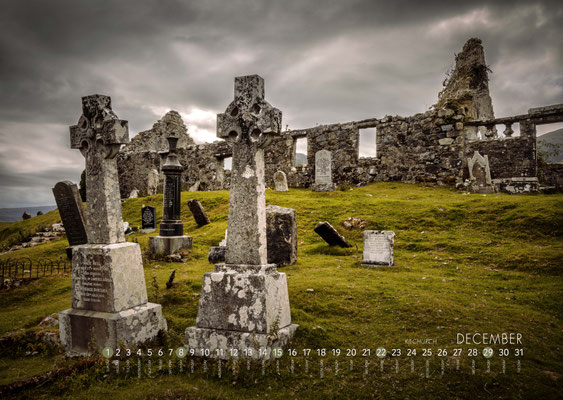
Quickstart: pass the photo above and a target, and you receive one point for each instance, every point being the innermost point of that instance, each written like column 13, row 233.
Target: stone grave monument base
column 323, row 187
column 128, row 327
column 224, row 341
column 169, row 244
column 242, row 307
column 109, row 300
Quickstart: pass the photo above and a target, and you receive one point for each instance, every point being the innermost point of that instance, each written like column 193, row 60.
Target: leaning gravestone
column 244, row 304
column 72, row 213
column 331, row 235
column 198, row 212
column 281, row 233
column 280, row 181
column 323, row 172
column 148, row 219
column 378, row 248
column 109, row 296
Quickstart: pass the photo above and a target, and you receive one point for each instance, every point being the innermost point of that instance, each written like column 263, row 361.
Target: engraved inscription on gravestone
column 323, row 172
column 148, row 217
column 92, row 286
column 322, row 167
column 378, row 248
column 71, row 211
column 171, row 235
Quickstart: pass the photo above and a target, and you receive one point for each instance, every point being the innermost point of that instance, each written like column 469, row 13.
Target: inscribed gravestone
column 148, row 218
column 244, row 304
column 171, row 236
column 323, row 172
column 280, row 181
column 71, row 211
column 378, row 248
column 109, row 297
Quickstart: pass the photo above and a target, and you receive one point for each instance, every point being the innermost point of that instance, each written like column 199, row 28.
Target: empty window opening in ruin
column 301, row 151
column 549, row 139
column 227, row 163
column 367, row 145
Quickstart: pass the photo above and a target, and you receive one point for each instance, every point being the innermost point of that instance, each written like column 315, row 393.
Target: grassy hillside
column 463, row 264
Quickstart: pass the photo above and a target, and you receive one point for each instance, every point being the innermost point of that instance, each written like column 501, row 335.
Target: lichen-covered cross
column 249, row 123
column 98, row 135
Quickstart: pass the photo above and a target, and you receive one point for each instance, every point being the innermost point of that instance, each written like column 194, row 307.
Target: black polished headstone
column 148, row 217
column 331, row 235
column 171, row 224
column 198, row 212
column 72, row 213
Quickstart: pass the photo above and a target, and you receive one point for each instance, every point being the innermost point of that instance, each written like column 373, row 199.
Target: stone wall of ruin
column 552, row 175
column 508, row 158
column 421, row 148
column 428, row 147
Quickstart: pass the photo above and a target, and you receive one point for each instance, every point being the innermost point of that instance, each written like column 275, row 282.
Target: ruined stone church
column 456, row 142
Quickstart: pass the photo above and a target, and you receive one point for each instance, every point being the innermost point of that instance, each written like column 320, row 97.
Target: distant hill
column 15, row 214
column 300, row 159
column 554, row 138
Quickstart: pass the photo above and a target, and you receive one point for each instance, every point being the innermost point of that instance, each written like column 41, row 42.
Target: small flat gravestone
column 378, row 248
column 148, row 219
column 280, row 182
column 72, row 212
column 323, row 172
column 331, row 235
column 198, row 212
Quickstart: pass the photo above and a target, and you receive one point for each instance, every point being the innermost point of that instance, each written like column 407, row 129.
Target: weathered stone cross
column 249, row 123
column 99, row 134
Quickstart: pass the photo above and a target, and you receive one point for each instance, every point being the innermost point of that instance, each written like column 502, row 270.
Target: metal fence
column 26, row 269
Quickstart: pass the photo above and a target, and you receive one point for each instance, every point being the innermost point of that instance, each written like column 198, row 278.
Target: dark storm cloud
column 323, row 61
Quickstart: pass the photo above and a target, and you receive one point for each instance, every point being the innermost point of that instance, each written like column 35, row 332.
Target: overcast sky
column 323, row 62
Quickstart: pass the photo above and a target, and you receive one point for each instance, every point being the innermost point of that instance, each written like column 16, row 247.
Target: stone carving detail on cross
column 249, row 123
column 99, row 135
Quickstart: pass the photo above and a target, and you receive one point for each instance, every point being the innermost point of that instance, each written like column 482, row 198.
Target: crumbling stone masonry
column 427, row 147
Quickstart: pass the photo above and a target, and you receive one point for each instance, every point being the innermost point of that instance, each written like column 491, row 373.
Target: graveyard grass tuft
column 463, row 263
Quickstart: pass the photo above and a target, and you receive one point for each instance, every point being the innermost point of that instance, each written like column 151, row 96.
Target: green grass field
column 463, row 264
